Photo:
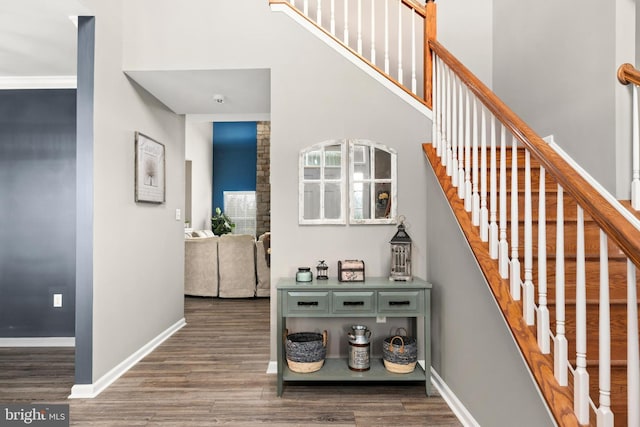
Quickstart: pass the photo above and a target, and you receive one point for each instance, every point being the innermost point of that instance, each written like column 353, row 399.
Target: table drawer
column 306, row 302
column 354, row 302
column 400, row 302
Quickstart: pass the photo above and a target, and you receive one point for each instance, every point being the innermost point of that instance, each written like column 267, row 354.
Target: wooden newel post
column 429, row 35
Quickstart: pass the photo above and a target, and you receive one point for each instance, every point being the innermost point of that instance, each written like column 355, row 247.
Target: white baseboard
column 452, row 400
column 38, row 342
column 89, row 391
column 272, row 368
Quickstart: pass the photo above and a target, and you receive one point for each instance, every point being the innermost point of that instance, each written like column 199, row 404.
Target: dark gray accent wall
column 37, row 200
column 84, row 188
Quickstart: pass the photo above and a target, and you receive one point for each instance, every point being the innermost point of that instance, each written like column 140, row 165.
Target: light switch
column 57, row 300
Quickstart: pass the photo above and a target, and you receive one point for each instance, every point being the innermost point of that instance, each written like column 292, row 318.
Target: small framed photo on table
column 149, row 170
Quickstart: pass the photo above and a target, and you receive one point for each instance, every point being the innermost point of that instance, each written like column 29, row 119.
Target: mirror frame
column 322, row 181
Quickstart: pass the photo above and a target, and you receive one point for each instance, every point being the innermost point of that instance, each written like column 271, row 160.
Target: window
column 371, row 181
column 240, row 206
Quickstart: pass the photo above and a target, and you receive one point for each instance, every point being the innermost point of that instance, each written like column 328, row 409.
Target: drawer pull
column 399, row 302
column 307, row 303
column 353, row 303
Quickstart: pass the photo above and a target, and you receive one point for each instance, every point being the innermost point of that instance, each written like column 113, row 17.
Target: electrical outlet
column 57, row 300
column 381, row 319
column 178, row 214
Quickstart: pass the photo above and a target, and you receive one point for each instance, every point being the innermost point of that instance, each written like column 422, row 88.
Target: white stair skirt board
column 354, row 59
column 38, row 82
column 463, row 415
column 38, row 342
column 89, row 391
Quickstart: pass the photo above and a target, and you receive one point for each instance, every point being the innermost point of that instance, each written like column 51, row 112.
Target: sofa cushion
column 201, row 266
column 236, row 266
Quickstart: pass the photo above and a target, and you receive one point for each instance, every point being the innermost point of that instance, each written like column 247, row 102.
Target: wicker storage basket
column 399, row 354
column 306, row 351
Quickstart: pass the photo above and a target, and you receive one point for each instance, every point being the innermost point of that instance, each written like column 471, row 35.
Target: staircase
column 558, row 253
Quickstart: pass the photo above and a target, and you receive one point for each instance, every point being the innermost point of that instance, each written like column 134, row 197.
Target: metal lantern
column 401, row 255
column 322, row 269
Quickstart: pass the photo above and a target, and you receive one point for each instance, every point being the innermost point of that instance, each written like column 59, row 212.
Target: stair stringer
column 493, row 384
column 354, row 59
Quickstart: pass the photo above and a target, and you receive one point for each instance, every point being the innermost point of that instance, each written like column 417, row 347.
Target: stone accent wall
column 263, row 184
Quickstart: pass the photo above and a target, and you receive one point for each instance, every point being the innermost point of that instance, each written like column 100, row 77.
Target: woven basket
column 399, row 354
column 306, row 351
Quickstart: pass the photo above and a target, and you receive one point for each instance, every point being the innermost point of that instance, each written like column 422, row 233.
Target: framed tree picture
column 149, row 170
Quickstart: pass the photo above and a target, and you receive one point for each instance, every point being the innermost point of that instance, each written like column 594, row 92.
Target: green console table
column 375, row 297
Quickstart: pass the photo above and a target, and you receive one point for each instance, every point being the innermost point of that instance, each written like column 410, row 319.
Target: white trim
column 272, row 368
column 628, row 215
column 421, row 108
column 38, row 342
column 221, row 117
column 89, row 391
column 463, row 415
column 38, row 82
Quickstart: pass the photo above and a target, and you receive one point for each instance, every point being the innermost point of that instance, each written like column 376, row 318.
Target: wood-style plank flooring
column 213, row 372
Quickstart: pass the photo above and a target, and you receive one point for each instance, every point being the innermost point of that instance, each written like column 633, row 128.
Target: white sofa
column 229, row 266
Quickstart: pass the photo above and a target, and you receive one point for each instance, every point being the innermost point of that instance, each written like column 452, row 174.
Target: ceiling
column 38, row 40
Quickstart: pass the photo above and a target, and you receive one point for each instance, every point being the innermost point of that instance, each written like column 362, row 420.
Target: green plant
column 221, row 223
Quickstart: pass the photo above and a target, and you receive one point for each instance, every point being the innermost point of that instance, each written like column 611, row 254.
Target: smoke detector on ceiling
column 219, row 99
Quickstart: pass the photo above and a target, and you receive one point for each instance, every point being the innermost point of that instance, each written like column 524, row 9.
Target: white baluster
column 493, row 196
column 503, row 246
column 543, row 309
column 484, row 213
column 528, row 302
column 306, row 8
column 434, row 103
column 319, row 13
column 359, row 27
column 333, row 17
column 633, row 356
column 475, row 196
column 293, row 2
column 581, row 376
column 386, row 37
column 560, row 350
column 514, row 282
column 346, row 22
column 414, row 81
column 400, row 37
column 453, row 170
column 603, row 414
column 460, row 142
column 635, row 153
column 438, row 104
column 373, row 32
column 447, row 158
column 467, row 152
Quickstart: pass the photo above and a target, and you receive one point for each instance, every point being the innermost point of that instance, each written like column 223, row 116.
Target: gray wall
column 554, row 64
column 473, row 350
column 138, row 248
column 37, row 228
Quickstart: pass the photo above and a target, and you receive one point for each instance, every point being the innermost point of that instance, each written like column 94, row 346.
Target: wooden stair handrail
column 625, row 235
column 627, row 73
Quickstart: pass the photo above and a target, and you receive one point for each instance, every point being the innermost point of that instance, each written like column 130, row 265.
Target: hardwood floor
column 213, row 372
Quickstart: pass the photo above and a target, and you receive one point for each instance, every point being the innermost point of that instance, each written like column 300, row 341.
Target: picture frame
column 150, row 171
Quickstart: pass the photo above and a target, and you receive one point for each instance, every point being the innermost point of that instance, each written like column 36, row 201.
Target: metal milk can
column 359, row 348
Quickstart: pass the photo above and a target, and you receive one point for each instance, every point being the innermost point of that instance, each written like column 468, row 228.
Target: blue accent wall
column 234, row 158
column 38, row 204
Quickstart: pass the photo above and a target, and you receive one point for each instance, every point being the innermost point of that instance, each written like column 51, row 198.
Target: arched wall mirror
column 360, row 174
